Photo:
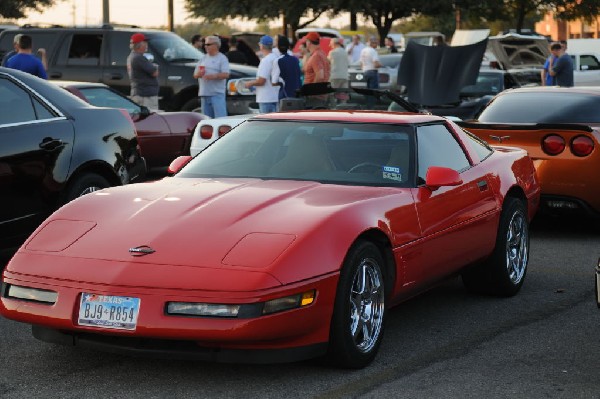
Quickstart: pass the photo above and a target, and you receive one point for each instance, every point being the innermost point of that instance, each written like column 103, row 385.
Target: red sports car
column 163, row 136
column 288, row 238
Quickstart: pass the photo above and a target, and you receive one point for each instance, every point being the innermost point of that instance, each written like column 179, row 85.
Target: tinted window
column 589, row 61
column 487, row 83
column 85, row 49
column 18, row 101
column 103, row 97
column 542, row 107
column 438, row 147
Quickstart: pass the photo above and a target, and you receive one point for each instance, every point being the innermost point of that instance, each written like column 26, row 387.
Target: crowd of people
column 280, row 73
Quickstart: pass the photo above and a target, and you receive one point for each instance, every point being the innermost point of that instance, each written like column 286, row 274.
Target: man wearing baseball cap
column 142, row 73
column 267, row 95
column 317, row 68
column 339, row 64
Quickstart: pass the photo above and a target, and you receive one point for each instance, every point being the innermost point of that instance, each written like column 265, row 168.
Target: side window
column 590, row 62
column 18, row 101
column 438, row 147
column 85, row 49
column 119, row 49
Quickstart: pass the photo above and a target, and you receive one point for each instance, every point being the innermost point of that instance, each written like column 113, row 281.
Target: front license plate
column 108, row 311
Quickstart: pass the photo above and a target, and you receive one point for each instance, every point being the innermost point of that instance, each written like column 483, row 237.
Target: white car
column 388, row 73
column 209, row 130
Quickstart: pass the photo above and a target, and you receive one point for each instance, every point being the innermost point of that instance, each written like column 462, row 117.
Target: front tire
column 504, row 272
column 359, row 311
column 85, row 184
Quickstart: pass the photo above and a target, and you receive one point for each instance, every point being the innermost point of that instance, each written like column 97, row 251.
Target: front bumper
column 286, row 336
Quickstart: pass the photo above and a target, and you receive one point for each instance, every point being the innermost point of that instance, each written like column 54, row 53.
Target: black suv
column 100, row 55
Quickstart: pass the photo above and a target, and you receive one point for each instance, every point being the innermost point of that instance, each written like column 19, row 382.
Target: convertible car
column 288, row 238
column 561, row 135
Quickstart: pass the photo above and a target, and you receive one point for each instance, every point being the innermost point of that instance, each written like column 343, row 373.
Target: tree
column 290, row 12
column 16, row 8
column 584, row 9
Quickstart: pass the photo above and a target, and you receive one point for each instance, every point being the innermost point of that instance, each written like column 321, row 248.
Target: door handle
column 55, row 75
column 113, row 76
column 51, row 144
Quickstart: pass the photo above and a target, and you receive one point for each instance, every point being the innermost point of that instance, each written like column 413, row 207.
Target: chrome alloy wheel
column 367, row 305
column 89, row 190
column 517, row 247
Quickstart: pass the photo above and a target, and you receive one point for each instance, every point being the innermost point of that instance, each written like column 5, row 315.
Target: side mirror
column 178, row 163
column 438, row 176
column 144, row 112
column 585, row 67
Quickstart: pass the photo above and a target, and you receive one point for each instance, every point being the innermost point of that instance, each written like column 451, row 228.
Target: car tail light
column 582, row 146
column 384, row 78
column 553, row 144
column 224, row 129
column 206, row 132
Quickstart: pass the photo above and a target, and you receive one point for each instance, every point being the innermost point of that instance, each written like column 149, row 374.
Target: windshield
column 329, row 152
column 487, row 83
column 172, row 48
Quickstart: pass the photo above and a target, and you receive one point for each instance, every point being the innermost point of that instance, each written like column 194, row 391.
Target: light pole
column 105, row 12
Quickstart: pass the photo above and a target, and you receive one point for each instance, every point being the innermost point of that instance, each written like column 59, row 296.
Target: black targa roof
column 435, row 75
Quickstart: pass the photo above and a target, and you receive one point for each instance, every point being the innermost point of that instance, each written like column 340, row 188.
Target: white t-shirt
column 354, row 51
column 368, row 56
column 267, row 93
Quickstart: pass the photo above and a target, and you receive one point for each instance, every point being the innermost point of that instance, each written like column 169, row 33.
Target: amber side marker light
column 242, row 311
column 582, row 146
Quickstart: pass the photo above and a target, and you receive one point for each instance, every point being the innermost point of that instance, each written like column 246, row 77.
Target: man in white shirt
column 369, row 60
column 267, row 95
column 354, row 49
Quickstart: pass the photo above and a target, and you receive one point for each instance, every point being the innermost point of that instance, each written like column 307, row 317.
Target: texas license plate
column 108, row 311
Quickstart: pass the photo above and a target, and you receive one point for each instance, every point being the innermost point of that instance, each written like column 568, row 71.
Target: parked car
column 474, row 98
column 54, row 148
column 287, row 238
column 388, row 73
column 100, row 55
column 559, row 128
column 163, row 136
column 209, row 130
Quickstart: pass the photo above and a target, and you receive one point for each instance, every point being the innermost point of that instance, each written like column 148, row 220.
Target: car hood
column 435, row 75
column 519, row 51
column 248, row 224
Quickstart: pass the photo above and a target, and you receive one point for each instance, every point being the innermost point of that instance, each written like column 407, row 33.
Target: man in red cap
column 317, row 68
column 142, row 73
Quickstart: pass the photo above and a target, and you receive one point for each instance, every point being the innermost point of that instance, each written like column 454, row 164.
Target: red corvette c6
column 288, row 238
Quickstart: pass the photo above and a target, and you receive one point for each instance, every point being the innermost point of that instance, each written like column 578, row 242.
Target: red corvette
column 288, row 238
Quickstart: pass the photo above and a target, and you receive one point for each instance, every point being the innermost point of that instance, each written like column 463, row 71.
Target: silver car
column 388, row 73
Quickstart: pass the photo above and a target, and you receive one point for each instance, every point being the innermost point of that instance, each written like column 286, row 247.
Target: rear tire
column 85, row 184
column 359, row 311
column 504, row 272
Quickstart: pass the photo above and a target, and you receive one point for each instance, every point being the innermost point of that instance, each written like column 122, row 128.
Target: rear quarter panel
column 564, row 174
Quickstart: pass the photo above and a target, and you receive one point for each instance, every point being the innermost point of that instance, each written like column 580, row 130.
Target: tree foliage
column 290, row 13
column 15, row 9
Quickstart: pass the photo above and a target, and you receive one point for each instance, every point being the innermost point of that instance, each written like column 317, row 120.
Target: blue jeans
column 214, row 106
column 265, row 108
column 372, row 77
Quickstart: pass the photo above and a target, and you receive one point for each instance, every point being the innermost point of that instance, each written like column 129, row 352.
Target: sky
column 144, row 13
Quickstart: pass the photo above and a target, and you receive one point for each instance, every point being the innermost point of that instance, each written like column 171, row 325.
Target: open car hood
column 435, row 75
column 519, row 51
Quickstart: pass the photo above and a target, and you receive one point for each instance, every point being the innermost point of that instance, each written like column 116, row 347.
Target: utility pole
column 105, row 13
column 171, row 25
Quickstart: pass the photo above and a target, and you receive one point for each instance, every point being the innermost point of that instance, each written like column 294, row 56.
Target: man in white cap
column 267, row 95
column 142, row 73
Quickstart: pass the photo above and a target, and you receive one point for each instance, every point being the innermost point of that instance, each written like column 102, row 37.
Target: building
column 562, row 30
